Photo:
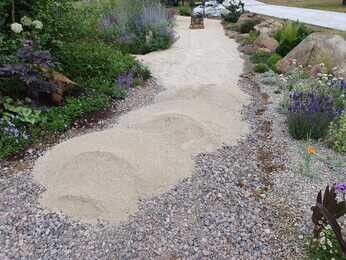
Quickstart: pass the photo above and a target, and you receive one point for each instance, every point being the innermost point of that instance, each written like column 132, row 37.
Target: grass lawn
column 331, row 5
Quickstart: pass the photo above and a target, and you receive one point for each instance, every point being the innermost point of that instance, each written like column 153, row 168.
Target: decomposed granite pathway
column 102, row 175
column 179, row 178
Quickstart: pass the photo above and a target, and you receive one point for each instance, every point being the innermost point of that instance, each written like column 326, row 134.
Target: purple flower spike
column 341, row 187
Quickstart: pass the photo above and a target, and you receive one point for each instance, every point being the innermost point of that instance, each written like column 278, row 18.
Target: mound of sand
column 102, row 175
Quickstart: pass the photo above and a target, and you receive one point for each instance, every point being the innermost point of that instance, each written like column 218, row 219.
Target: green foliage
column 94, row 64
column 337, row 134
column 273, row 60
column 63, row 22
column 184, row 10
column 10, row 144
column 260, row 56
column 289, row 36
column 250, row 38
column 246, row 26
column 307, row 125
column 326, row 248
column 22, row 113
column 60, row 118
column 261, row 68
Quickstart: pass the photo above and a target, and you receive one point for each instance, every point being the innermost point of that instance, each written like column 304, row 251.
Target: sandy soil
column 102, row 175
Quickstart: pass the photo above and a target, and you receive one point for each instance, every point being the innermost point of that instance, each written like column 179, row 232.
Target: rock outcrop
column 317, row 48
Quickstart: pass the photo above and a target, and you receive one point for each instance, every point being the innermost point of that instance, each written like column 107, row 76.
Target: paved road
column 315, row 17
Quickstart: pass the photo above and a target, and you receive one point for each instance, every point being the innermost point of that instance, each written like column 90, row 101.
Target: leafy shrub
column 309, row 115
column 260, row 56
column 138, row 26
column 59, row 119
column 12, row 139
column 250, row 38
column 261, row 68
column 289, row 36
column 337, row 134
column 273, row 60
column 246, row 26
column 94, row 64
column 64, row 22
column 184, row 10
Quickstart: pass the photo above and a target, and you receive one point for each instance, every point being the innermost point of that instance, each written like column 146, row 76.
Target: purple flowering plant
column 341, row 187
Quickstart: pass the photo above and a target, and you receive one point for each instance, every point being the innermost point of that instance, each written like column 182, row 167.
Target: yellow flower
column 311, row 150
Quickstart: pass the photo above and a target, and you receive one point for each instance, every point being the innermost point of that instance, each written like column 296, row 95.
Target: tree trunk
column 344, row 2
column 13, row 12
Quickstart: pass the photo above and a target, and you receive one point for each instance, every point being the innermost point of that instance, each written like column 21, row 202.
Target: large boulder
column 317, row 48
column 267, row 42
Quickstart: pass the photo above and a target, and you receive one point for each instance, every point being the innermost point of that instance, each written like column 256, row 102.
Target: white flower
column 37, row 24
column 16, row 27
column 26, row 21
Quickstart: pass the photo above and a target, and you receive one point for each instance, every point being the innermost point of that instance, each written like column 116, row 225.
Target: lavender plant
column 138, row 26
column 309, row 115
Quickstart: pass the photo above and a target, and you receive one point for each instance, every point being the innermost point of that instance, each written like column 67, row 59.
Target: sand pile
column 103, row 174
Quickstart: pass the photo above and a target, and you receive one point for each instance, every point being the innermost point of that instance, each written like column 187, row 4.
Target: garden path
column 327, row 19
column 102, row 175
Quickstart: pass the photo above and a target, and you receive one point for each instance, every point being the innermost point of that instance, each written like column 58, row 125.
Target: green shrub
column 307, row 125
column 273, row 60
column 10, row 145
column 246, row 26
column 63, row 22
column 250, row 38
column 60, row 118
column 261, row 68
column 289, row 36
column 260, row 56
column 337, row 134
column 184, row 10
column 94, row 64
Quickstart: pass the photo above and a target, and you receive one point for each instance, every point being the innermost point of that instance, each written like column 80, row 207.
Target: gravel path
column 242, row 201
column 327, row 19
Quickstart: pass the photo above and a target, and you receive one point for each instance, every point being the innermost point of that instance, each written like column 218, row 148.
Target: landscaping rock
column 268, row 27
column 231, row 34
column 317, row 48
column 251, row 16
column 248, row 49
column 267, row 42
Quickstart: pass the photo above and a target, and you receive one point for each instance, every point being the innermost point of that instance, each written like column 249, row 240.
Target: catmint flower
column 340, row 187
column 16, row 28
column 37, row 24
